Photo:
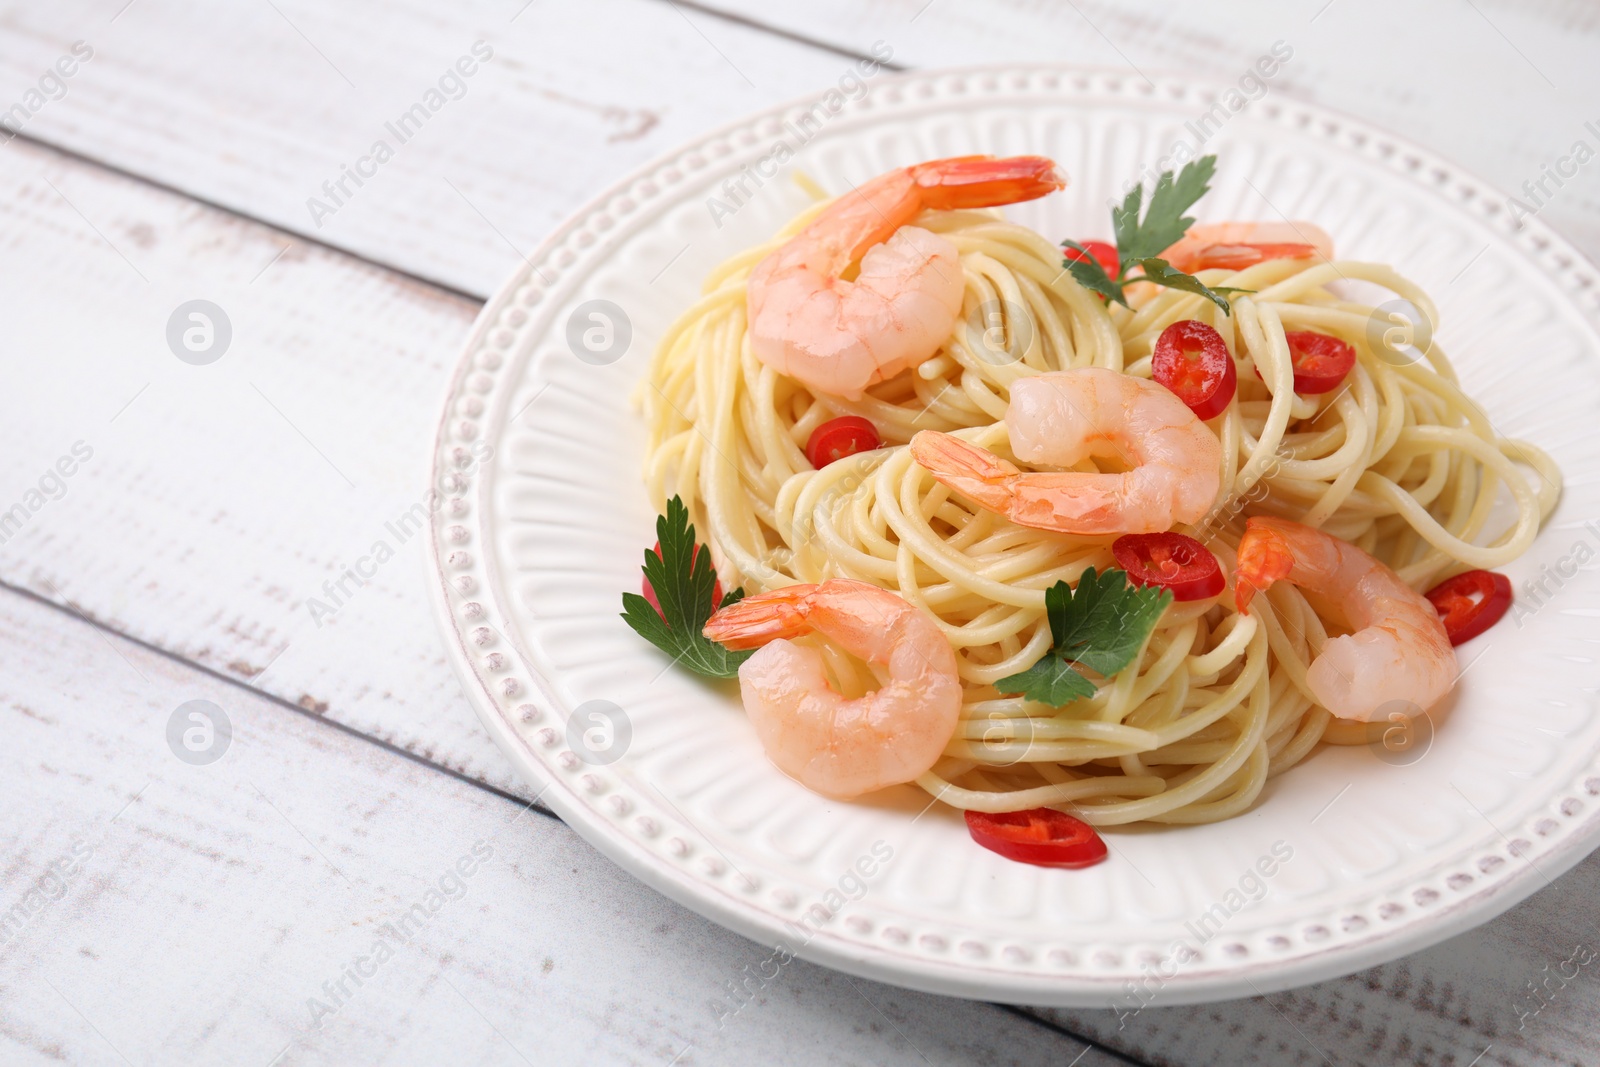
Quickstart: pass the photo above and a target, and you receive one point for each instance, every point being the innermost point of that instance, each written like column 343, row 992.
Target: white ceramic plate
column 532, row 548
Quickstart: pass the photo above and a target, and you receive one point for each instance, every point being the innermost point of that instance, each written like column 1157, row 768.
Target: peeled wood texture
column 219, row 499
column 255, row 106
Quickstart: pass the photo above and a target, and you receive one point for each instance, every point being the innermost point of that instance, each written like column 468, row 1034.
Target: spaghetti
column 1399, row 462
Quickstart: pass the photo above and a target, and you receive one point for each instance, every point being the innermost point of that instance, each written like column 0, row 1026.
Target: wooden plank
column 217, row 500
column 257, row 110
column 1505, row 89
column 162, row 910
column 165, row 96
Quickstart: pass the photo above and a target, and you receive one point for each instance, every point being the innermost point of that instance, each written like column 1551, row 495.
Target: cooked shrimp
column 1065, row 416
column 839, row 337
column 1237, row 245
column 834, row 745
column 1398, row 649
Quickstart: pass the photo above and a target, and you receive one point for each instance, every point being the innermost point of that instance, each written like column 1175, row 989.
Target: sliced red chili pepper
column 1240, row 256
column 1470, row 603
column 1043, row 837
column 1102, row 253
column 1171, row 561
column 841, row 437
column 1321, row 361
column 1192, row 360
column 650, row 593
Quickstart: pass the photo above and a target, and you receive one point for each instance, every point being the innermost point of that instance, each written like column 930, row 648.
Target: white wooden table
column 154, row 910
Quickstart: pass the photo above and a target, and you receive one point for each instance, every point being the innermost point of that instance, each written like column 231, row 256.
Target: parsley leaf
column 1141, row 240
column 683, row 580
column 1051, row 681
column 1092, row 276
column 1125, row 226
column 1101, row 625
column 1164, row 222
column 1160, row 272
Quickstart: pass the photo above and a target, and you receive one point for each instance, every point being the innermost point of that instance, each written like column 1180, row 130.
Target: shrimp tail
column 1264, row 557
column 975, row 473
column 984, row 181
column 952, row 184
column 759, row 619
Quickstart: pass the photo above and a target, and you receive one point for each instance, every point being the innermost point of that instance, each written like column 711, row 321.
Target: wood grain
column 220, row 498
column 1502, row 88
column 199, row 909
column 256, row 110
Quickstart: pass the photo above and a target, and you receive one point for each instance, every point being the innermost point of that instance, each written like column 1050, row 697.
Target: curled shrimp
column 837, row 746
column 1237, row 245
column 1063, row 417
column 840, row 337
column 1398, row 649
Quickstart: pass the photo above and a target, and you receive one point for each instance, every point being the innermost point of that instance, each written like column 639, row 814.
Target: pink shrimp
column 1399, row 650
column 1237, row 245
column 840, row 337
column 1063, row 417
column 837, row 746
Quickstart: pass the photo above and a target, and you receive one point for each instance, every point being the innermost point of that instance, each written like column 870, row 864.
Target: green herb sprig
column 1101, row 625
column 683, row 580
column 1140, row 241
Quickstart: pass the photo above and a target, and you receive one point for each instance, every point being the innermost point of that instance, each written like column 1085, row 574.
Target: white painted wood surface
column 219, row 498
column 249, row 107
